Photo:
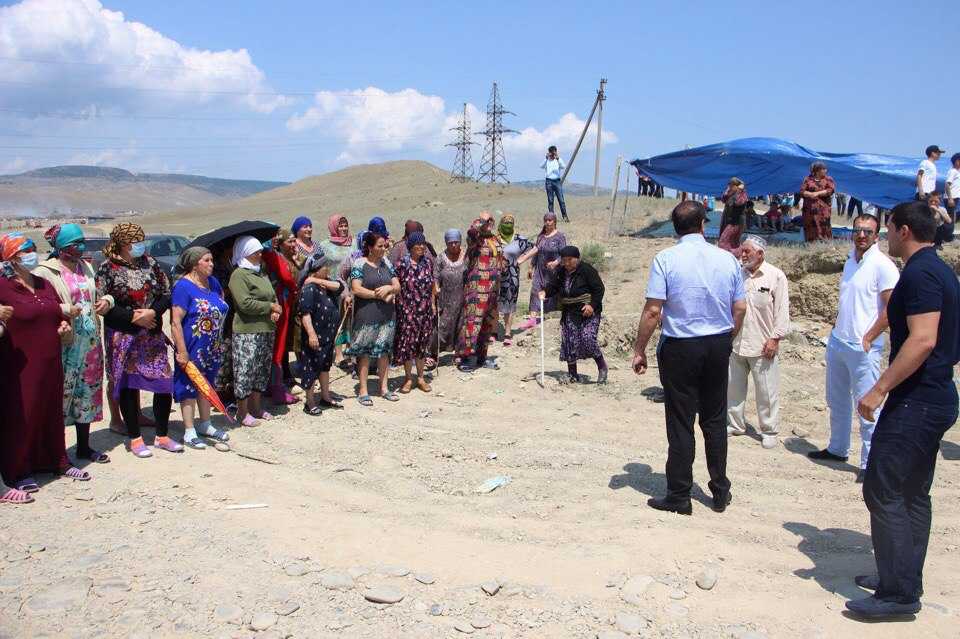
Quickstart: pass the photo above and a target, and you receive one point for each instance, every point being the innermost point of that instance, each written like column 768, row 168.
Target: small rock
column 395, row 571
column 223, row 447
column 708, row 578
column 383, row 594
column 491, row 587
column 611, row 634
column 677, row 609
column 630, row 624
column 357, row 571
column 287, row 609
column 464, row 627
column 263, row 620
column 491, row 456
column 480, row 622
column 634, row 589
column 424, row 578
column 35, row 548
column 437, row 610
column 296, row 569
column 678, row 595
column 616, row 580
column 336, row 581
column 228, row 613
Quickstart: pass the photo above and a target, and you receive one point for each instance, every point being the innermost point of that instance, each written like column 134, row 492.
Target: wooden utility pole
column 613, row 198
column 597, row 103
column 596, row 168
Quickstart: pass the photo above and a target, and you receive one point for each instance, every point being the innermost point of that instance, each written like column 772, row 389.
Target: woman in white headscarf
column 254, row 326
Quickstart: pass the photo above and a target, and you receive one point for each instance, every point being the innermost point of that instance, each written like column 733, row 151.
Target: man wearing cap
column 766, row 322
column 856, row 342
column 927, row 173
column 696, row 290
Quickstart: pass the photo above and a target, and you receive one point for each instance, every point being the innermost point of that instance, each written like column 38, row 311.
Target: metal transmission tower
column 463, row 164
column 493, row 166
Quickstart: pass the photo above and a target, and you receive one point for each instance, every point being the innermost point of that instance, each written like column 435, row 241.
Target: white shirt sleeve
column 561, row 163
column 544, row 165
column 657, row 283
column 887, row 275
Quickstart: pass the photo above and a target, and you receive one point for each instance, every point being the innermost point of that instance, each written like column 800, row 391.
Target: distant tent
column 770, row 165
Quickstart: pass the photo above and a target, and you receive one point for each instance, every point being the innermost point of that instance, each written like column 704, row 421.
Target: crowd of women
column 233, row 313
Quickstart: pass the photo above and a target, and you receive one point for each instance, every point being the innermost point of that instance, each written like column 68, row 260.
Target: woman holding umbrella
column 199, row 311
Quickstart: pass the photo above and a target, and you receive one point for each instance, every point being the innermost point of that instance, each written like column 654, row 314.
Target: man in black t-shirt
column 921, row 405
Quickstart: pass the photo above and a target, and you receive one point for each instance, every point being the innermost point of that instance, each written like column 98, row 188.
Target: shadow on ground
column 642, row 479
column 838, row 555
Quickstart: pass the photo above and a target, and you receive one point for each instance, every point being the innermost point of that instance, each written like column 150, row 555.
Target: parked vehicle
column 161, row 247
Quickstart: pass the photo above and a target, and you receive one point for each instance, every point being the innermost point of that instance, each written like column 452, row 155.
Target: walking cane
column 437, row 368
column 542, row 349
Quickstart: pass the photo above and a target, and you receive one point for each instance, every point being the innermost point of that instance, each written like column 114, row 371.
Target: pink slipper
column 250, row 421
column 14, row 496
column 139, row 448
column 265, row 416
column 167, row 444
column 529, row 323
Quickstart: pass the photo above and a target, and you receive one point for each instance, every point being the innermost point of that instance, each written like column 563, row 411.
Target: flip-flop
column 195, row 443
column 365, row 400
column 14, row 496
column 218, row 435
column 316, row 411
column 75, row 473
column 465, row 368
column 97, row 457
column 27, row 485
column 334, row 404
column 391, row 397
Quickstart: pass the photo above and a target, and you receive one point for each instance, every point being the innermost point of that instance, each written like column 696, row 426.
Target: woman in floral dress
column 199, row 311
column 319, row 314
column 546, row 258
column 74, row 281
column 448, row 273
column 416, row 310
column 138, row 348
column 481, row 288
column 514, row 248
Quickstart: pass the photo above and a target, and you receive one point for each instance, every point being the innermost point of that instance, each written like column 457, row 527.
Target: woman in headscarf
column 9, row 495
column 481, row 288
column 254, row 324
column 199, row 311
column 319, row 314
column 580, row 292
column 137, row 350
column 817, row 193
column 223, row 268
column 281, row 267
column 400, row 250
column 82, row 356
column 448, row 273
column 514, row 246
column 733, row 222
column 337, row 249
column 374, row 283
column 31, row 394
column 302, row 229
column 416, row 306
column 546, row 258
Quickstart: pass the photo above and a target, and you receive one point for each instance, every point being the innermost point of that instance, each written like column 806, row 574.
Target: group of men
column 722, row 320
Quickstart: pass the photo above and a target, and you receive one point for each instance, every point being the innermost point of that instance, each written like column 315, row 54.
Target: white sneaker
column 769, row 441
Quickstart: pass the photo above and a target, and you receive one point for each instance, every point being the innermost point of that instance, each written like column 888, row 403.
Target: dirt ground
column 382, row 502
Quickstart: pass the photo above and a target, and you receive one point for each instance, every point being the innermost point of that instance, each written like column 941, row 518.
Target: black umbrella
column 263, row 231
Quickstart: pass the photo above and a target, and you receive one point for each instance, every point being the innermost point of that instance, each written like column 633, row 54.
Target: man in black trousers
column 921, row 405
column 696, row 290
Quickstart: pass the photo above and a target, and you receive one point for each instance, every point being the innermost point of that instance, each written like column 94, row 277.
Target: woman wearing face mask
column 514, row 248
column 282, row 268
column 254, row 323
column 137, row 348
column 75, row 283
column 31, row 393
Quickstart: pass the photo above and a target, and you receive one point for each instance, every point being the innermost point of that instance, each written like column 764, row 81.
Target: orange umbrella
column 202, row 385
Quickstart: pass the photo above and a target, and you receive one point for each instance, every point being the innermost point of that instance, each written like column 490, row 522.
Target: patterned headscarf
column 10, row 245
column 507, row 228
column 333, row 225
column 63, row 236
column 123, row 233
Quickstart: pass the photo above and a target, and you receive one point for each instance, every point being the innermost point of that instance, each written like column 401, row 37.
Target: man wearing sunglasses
column 856, row 342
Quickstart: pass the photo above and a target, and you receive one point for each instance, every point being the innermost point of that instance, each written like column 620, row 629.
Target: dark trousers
column 903, row 455
column 854, row 203
column 129, row 402
column 554, row 188
column 693, row 372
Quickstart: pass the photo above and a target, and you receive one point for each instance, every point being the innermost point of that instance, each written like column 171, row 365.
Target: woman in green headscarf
column 514, row 246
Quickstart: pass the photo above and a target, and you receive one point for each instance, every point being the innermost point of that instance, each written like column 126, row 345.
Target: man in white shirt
column 927, row 173
column 755, row 347
column 856, row 343
column 953, row 193
column 554, row 167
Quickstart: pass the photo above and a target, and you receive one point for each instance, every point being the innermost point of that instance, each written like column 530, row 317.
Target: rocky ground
column 368, row 522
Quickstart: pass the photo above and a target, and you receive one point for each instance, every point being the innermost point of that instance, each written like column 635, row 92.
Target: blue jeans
column 850, row 374
column 897, row 492
column 555, row 188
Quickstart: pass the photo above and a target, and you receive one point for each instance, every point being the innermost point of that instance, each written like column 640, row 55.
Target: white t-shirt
column 929, row 179
column 860, row 289
column 953, row 184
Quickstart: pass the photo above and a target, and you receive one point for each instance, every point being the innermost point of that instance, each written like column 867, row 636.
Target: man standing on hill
column 696, row 290
column 856, row 342
column 921, row 405
column 927, row 173
column 554, row 167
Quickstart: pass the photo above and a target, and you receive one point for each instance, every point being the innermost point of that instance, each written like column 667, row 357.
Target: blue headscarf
column 452, row 235
column 378, row 226
column 61, row 236
column 299, row 223
column 415, row 238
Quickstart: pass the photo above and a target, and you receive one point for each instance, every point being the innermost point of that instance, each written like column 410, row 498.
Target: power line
column 463, row 164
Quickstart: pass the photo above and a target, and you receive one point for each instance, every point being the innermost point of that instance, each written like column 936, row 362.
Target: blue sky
column 285, row 89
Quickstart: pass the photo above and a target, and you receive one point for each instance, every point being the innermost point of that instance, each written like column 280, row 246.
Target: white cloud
column 77, row 55
column 372, row 123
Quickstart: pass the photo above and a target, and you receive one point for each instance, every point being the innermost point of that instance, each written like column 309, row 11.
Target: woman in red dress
column 31, row 430
column 281, row 265
column 817, row 193
column 481, row 289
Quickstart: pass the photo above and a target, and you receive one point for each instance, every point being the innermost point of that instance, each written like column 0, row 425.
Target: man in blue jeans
column 921, row 405
column 554, row 167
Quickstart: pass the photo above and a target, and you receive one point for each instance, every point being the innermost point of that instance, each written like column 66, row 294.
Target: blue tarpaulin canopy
column 770, row 165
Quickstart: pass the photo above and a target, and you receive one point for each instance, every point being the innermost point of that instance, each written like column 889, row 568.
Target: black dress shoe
column 602, row 376
column 861, row 475
column 871, row 582
column 679, row 507
column 825, row 454
column 565, row 218
column 720, row 504
column 873, row 608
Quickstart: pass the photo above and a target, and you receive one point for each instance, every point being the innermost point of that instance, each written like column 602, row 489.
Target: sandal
column 96, row 457
column 491, row 364
column 407, row 386
column 27, row 485
column 250, row 421
column 316, row 411
column 75, row 473
column 265, row 416
column 508, row 342
column 167, row 444
column 15, row 496
column 391, row 396
column 330, row 404
column 139, row 448
column 218, row 435
column 465, row 368
column 365, row 400
column 423, row 385
column 195, row 443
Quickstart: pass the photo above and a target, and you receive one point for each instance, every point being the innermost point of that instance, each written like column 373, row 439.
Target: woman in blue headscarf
column 302, row 229
column 75, row 283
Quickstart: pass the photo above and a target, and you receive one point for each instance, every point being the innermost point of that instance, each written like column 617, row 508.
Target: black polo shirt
column 927, row 285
